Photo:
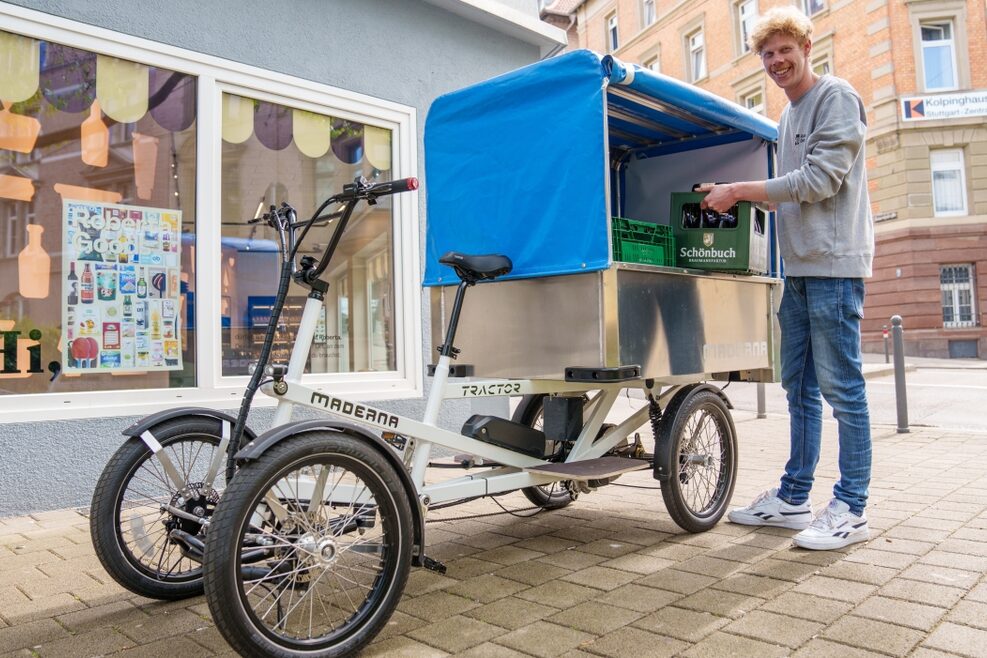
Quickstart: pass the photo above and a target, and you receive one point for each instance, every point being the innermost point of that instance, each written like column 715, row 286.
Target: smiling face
column 787, row 63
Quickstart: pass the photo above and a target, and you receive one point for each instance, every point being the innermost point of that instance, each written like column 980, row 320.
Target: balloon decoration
column 347, row 140
column 68, row 77
column 311, row 132
column 172, row 99
column 272, row 123
column 377, row 142
column 20, row 63
column 121, row 88
column 238, row 118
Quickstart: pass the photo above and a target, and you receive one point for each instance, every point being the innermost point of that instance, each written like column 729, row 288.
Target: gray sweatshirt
column 825, row 224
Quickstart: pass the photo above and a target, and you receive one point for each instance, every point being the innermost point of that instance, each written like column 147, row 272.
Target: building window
column 697, row 56
column 649, row 13
column 813, row 6
column 938, row 56
column 99, row 204
column 753, row 100
column 273, row 153
column 613, row 41
column 745, row 13
column 101, row 251
column 948, row 182
column 653, row 63
column 821, row 65
column 958, row 305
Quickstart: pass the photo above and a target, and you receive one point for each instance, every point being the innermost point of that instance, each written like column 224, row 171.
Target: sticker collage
column 121, row 295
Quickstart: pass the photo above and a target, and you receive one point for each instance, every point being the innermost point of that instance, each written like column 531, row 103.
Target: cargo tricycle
column 557, row 196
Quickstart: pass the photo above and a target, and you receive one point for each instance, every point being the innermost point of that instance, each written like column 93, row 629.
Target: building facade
column 921, row 68
column 136, row 144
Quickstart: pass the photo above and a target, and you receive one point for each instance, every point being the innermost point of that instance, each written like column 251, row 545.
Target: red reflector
column 412, row 183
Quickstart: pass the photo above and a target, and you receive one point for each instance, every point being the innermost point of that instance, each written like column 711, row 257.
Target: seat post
column 447, row 348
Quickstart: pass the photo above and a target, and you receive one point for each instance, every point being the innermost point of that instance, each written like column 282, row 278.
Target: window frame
column 690, row 50
column 807, row 7
column 739, row 23
column 961, row 168
column 612, row 33
column 939, row 43
column 645, row 21
column 924, row 12
column 214, row 76
column 953, row 289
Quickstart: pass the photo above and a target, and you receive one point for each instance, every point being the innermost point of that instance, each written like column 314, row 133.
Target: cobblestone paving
column 610, row 575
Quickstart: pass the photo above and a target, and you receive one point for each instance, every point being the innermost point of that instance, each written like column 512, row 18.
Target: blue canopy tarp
column 520, row 164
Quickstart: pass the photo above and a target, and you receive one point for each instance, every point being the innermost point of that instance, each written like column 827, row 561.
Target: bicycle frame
column 512, row 473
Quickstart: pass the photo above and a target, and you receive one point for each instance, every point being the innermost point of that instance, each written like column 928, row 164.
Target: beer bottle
column 87, row 288
column 141, row 286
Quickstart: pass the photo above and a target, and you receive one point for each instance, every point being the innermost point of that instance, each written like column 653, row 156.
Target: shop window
column 938, row 56
column 745, row 13
column 649, row 13
column 97, row 198
column 813, row 6
column 958, row 305
column 613, row 40
column 274, row 153
column 696, row 45
column 948, row 182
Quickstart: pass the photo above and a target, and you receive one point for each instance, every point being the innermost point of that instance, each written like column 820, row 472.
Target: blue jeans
column 820, row 353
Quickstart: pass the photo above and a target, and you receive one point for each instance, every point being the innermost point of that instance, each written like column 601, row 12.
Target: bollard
column 761, row 406
column 900, row 395
column 884, row 330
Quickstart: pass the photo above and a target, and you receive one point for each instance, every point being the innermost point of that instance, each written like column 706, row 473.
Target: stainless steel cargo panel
column 675, row 324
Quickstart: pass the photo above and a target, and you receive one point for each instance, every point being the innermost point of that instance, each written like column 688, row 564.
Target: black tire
column 318, row 582
column 698, row 443
column 549, row 496
column 130, row 532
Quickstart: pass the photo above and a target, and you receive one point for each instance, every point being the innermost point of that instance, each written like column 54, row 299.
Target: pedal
column 600, row 468
column 433, row 565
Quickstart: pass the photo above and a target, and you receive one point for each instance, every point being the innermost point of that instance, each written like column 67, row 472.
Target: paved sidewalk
column 610, row 575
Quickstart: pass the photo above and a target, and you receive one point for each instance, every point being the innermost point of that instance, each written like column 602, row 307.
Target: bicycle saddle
column 477, row 268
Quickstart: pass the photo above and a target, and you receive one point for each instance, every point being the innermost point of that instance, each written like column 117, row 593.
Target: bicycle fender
column 262, row 443
column 149, row 422
column 663, row 457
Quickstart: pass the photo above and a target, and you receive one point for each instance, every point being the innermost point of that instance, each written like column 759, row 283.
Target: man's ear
column 807, row 47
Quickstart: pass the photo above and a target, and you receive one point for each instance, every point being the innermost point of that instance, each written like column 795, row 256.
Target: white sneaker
column 835, row 527
column 770, row 510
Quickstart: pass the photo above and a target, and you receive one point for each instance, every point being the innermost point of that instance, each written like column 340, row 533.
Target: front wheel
column 309, row 552
column 697, row 443
column 132, row 530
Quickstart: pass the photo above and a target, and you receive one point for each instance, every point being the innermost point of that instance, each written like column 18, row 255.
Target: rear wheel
column 697, row 445
column 309, row 553
column 133, row 534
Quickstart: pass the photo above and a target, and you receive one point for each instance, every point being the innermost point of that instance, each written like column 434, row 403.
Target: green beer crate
column 642, row 242
column 733, row 241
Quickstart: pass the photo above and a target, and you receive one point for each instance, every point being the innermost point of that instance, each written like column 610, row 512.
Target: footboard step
column 592, row 469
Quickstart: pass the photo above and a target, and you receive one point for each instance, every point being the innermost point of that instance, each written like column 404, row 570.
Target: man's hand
column 724, row 196
column 720, row 198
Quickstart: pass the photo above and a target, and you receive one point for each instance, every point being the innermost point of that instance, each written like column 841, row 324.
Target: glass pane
column 938, row 63
column 274, row 154
column 937, row 32
column 97, row 202
column 947, row 190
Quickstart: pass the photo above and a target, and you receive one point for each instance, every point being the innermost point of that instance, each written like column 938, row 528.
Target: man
column 827, row 242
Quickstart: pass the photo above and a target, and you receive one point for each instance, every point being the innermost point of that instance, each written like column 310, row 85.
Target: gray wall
column 404, row 51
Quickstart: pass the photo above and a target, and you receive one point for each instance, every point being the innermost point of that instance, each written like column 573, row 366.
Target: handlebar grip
column 394, row 187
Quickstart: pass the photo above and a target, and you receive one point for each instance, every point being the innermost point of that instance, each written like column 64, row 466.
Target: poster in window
column 121, row 295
